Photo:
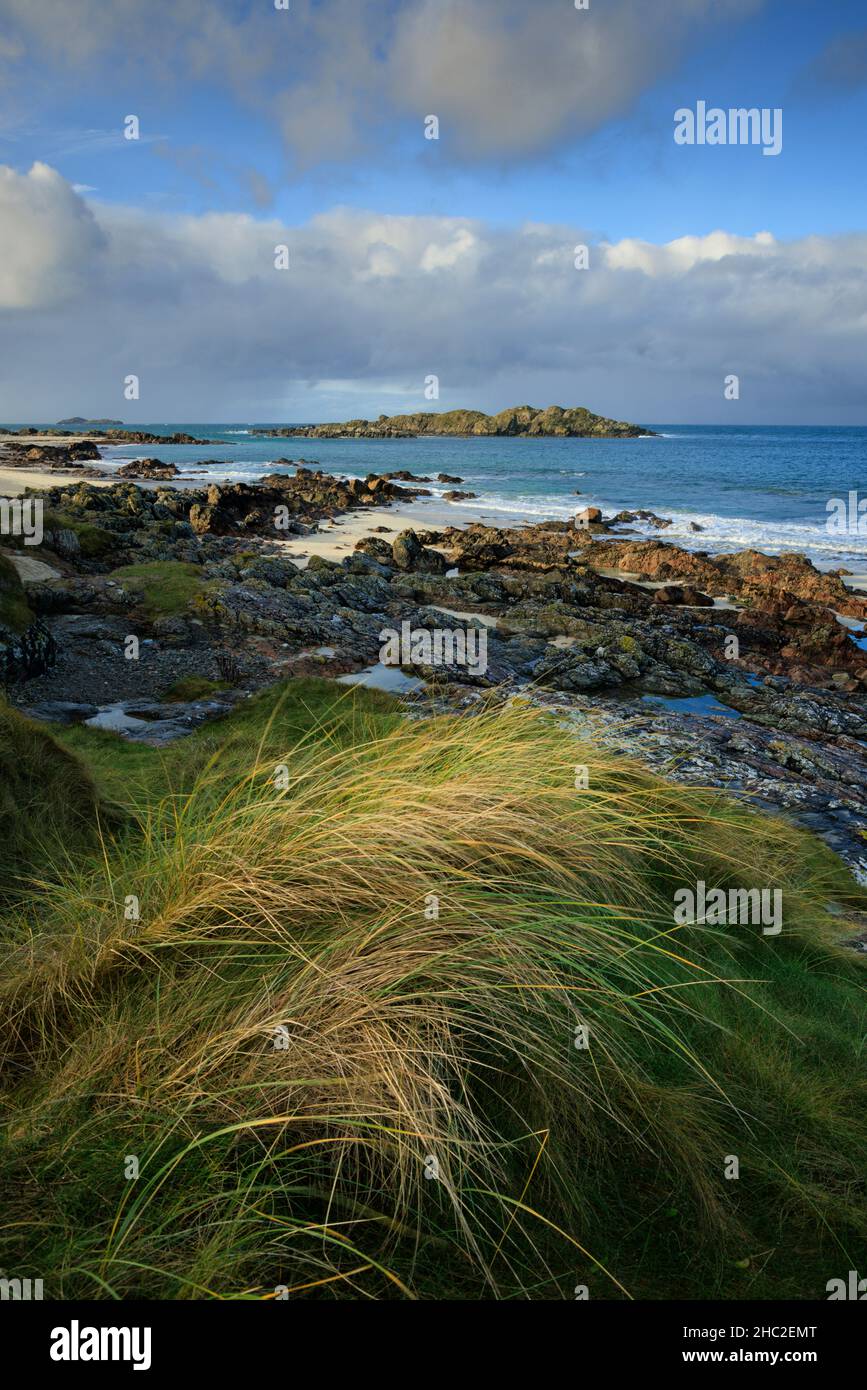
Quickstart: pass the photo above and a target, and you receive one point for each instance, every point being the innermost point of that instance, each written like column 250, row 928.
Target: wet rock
column 683, row 594
column 647, row 518
column 61, row 711
column 403, row 476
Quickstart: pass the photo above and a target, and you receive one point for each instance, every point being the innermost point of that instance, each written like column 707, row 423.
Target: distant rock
column 148, row 468
column 523, row 420
column 79, row 420
column 649, row 518
column 590, row 516
column 402, row 476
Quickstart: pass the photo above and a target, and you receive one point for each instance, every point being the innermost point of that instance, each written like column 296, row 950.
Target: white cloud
column 196, row 308
column 439, row 256
column 49, row 239
column 677, row 257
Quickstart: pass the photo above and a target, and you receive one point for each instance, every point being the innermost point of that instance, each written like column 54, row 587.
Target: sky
column 409, row 258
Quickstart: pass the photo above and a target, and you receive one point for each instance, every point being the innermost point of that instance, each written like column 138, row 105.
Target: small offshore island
column 556, row 421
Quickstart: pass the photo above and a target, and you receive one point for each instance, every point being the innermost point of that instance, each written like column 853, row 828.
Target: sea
column 772, row 488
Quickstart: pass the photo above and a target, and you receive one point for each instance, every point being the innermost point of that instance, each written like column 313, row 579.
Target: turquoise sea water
column 766, row 487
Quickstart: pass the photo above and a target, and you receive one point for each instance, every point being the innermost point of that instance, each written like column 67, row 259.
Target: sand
column 27, row 440
column 335, row 542
column 13, row 481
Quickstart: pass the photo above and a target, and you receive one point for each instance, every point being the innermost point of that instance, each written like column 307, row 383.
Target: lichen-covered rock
column 408, row 553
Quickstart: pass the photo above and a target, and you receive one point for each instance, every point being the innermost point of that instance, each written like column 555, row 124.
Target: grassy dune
column 340, row 1038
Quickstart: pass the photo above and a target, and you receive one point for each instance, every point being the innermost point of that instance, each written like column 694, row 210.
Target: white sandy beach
column 13, row 481
column 337, row 539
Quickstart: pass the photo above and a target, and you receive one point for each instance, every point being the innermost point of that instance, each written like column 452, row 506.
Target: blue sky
column 627, row 179
column 283, row 117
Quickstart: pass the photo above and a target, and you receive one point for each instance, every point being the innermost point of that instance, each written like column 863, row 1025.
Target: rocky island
column 79, row 421
column 556, row 421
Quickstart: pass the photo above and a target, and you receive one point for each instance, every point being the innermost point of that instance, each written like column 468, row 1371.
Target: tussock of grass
column 194, row 688
column 95, row 542
column 163, row 588
column 49, row 807
column 303, row 914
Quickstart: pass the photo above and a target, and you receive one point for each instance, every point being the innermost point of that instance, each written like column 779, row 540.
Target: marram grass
column 338, row 1043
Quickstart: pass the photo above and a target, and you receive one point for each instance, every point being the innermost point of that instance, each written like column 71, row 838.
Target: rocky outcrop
column 49, row 455
column 526, row 420
column 148, row 468
column 408, row 553
column 117, row 436
column 763, row 581
column 271, row 505
column 78, row 420
column 111, row 435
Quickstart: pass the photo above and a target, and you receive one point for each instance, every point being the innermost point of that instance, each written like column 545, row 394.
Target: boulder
column 148, row 468
column 408, row 554
column 683, row 594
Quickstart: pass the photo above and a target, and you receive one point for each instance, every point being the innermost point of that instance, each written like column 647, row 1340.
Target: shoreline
column 336, row 539
column 631, row 636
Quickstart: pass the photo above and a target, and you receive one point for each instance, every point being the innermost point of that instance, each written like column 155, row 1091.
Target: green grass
column 135, row 775
column 163, row 588
column 194, row 688
column 49, row 806
column 284, row 861
column 15, row 612
column 95, row 542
